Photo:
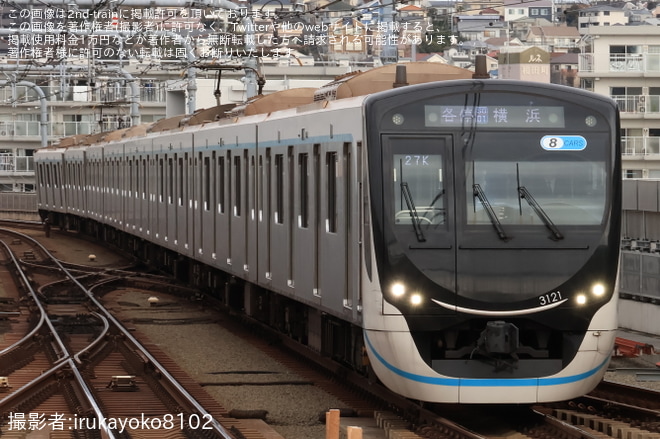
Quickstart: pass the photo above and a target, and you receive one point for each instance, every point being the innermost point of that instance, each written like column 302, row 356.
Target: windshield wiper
column 524, row 193
column 439, row 195
column 479, row 193
column 405, row 190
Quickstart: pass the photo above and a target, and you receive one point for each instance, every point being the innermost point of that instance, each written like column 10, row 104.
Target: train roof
column 358, row 83
column 384, row 78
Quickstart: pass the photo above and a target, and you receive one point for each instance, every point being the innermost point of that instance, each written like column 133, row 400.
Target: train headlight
column 416, row 299
column 581, row 299
column 398, row 289
column 598, row 290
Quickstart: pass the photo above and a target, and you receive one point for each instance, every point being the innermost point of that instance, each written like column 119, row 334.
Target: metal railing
column 638, row 103
column 639, row 145
column 617, row 62
column 10, row 163
column 149, row 92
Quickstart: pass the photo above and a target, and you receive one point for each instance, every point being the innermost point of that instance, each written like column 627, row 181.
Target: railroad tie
column 617, row 429
column 395, row 426
column 402, row 434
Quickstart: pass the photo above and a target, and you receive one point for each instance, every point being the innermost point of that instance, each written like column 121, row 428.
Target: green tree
column 438, row 39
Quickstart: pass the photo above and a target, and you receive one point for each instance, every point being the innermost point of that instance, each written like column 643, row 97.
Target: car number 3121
column 549, row 298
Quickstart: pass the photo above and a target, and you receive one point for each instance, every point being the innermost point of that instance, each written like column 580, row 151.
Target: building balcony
column 11, row 164
column 638, row 104
column 149, row 92
column 30, row 130
column 636, row 146
column 645, row 64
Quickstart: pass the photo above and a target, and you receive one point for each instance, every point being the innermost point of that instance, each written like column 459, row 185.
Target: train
column 457, row 237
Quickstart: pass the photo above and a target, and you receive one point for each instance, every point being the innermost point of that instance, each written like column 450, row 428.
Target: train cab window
column 418, row 189
column 568, row 192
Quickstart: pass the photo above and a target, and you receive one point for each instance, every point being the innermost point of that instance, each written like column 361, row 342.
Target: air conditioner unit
column 641, row 108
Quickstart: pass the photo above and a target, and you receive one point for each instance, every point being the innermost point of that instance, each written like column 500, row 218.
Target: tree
column 439, row 38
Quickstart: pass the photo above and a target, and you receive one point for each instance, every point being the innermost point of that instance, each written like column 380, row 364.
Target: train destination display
column 494, row 116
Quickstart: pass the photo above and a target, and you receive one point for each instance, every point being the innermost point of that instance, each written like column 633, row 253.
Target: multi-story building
column 555, row 39
column 600, row 16
column 42, row 108
column 77, row 81
column 624, row 62
column 515, row 9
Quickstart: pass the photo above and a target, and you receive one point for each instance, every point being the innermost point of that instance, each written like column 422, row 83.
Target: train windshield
column 567, row 192
column 418, row 189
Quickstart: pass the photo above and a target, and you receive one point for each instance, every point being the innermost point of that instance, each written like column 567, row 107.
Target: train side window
column 207, row 183
column 331, row 169
column 303, row 171
column 251, row 184
column 170, row 180
column 237, row 185
column 221, row 185
column 161, row 180
column 260, row 193
column 130, row 177
column 144, row 178
column 179, row 177
column 279, row 188
column 214, row 182
column 114, row 181
column 188, row 165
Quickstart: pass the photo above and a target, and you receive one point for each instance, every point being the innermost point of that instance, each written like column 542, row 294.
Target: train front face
column 495, row 209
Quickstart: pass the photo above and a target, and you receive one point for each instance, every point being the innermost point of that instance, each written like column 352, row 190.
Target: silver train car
column 459, row 238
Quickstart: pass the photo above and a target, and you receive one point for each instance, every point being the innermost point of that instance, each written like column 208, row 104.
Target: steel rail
column 128, row 336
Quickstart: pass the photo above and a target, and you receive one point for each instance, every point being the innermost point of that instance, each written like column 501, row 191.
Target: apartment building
column 42, row 108
column 624, row 62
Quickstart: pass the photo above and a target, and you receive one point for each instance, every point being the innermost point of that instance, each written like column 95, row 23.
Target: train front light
column 581, row 299
column 398, row 289
column 598, row 290
column 416, row 299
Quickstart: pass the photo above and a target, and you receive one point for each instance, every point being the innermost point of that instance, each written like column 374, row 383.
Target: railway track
column 575, row 419
column 75, row 349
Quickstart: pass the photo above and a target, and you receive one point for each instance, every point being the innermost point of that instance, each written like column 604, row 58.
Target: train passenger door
column 419, row 243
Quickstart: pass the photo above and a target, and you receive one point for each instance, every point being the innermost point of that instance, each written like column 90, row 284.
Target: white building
column 599, row 16
column 624, row 62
